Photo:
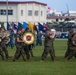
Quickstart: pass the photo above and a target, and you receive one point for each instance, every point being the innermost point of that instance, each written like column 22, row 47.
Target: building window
column 21, row 12
column 10, row 12
column 36, row 13
column 2, row 12
column 29, row 12
column 41, row 13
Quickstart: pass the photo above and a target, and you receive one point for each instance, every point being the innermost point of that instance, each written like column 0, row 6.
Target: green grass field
column 35, row 67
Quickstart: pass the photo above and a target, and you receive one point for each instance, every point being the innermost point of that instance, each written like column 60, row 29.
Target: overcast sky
column 59, row 5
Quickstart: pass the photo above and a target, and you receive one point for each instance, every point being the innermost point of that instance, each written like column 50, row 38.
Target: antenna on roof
column 67, row 9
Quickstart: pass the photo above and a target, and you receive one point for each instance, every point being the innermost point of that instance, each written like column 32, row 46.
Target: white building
column 53, row 12
column 58, row 14
column 72, row 13
column 28, row 11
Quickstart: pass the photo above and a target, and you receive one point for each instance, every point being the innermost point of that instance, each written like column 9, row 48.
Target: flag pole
column 7, row 10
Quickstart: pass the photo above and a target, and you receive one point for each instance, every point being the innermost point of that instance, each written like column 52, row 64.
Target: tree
column 57, row 20
column 67, row 19
column 2, row 25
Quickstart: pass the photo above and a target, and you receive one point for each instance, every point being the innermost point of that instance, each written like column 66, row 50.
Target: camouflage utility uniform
column 48, row 48
column 19, row 50
column 1, row 52
column 25, row 47
column 4, row 48
column 69, row 44
column 72, row 49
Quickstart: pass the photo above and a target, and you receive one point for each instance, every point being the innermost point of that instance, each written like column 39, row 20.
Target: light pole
column 67, row 9
column 7, row 9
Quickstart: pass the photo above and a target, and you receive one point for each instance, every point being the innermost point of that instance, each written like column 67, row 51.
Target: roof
column 22, row 2
column 72, row 11
column 59, row 17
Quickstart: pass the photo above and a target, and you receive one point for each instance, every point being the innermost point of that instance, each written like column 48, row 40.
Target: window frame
column 21, row 12
column 2, row 12
column 29, row 12
column 36, row 13
column 41, row 13
column 10, row 12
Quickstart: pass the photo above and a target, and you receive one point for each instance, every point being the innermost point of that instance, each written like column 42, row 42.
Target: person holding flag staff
column 25, row 46
column 49, row 46
column 30, row 46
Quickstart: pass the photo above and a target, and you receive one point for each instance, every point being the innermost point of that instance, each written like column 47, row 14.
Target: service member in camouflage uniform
column 3, row 43
column 48, row 46
column 25, row 46
column 72, row 48
column 70, row 35
column 1, row 52
column 30, row 46
column 19, row 50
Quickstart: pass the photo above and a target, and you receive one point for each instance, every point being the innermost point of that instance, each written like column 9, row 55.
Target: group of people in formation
column 25, row 50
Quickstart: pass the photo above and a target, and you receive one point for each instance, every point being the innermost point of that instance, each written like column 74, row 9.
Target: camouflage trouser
column 18, row 53
column 6, row 52
column 26, row 52
column 71, row 53
column 30, row 49
column 67, row 52
column 1, row 53
column 4, row 48
column 48, row 50
column 75, row 55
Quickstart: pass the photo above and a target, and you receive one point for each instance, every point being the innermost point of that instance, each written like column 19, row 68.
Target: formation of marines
column 25, row 50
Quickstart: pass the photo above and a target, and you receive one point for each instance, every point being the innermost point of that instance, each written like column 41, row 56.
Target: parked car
column 64, row 35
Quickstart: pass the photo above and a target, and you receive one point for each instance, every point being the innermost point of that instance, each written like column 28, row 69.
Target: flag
column 19, row 25
column 45, row 27
column 8, row 26
column 15, row 27
column 25, row 25
column 31, row 26
column 40, row 27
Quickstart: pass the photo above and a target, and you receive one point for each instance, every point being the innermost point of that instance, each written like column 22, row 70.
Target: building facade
column 72, row 13
column 54, row 16
column 53, row 12
column 29, row 11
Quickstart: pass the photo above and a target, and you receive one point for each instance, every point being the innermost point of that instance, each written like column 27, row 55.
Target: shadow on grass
column 38, row 59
